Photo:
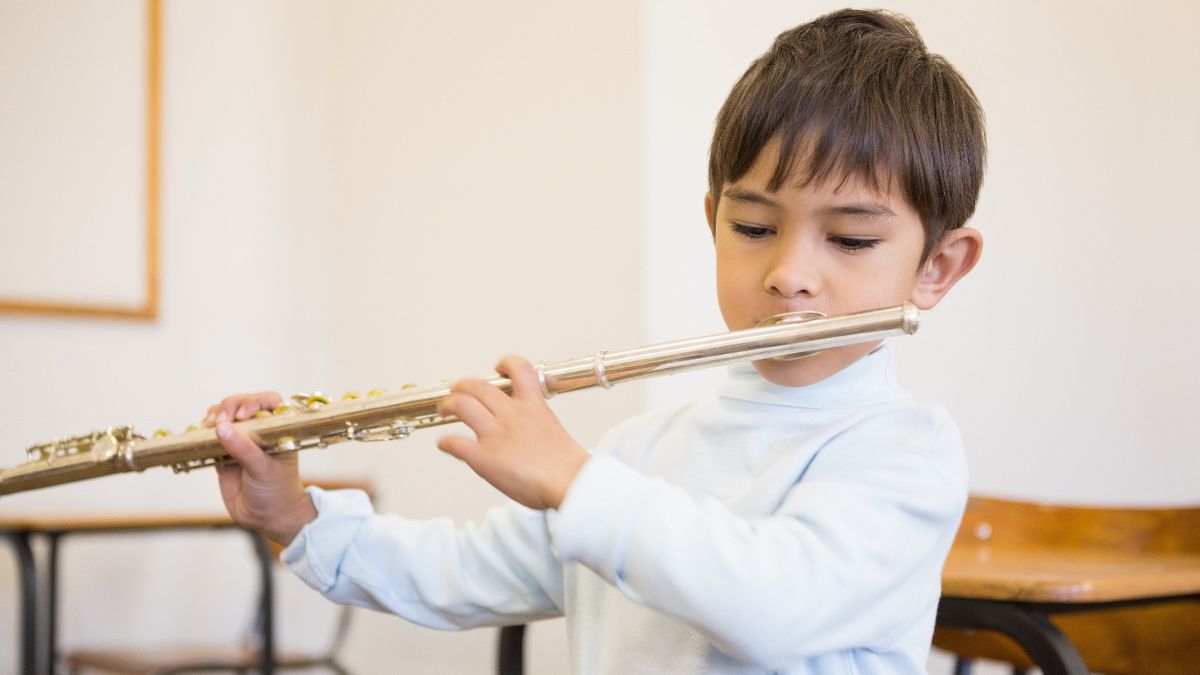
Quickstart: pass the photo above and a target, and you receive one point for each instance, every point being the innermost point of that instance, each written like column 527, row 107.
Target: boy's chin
column 812, row 369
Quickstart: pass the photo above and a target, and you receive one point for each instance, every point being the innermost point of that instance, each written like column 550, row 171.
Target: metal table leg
column 27, row 612
column 1029, row 627
column 51, row 656
column 266, row 607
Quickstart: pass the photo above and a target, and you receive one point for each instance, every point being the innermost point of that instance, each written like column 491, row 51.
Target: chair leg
column 510, row 657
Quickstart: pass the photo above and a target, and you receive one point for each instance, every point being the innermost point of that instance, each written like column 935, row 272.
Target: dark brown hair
column 856, row 93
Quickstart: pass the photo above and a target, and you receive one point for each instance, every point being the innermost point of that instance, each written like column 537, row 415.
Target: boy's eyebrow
column 745, row 196
column 868, row 209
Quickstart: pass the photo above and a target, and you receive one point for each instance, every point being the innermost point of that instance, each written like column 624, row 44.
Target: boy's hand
column 261, row 492
column 520, row 447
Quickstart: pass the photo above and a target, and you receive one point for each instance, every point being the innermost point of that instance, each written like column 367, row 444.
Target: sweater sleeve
column 851, row 557
column 434, row 573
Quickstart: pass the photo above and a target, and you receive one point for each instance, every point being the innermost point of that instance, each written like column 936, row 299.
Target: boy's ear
column 710, row 213
column 950, row 261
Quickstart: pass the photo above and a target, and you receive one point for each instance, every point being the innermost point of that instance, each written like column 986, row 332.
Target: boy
column 795, row 520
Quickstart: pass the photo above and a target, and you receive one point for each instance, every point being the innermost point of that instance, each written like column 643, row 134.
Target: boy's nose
column 793, row 274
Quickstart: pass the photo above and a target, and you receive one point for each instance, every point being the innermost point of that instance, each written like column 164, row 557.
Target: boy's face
column 835, row 248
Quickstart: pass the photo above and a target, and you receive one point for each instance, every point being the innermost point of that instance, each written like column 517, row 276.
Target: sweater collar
column 868, row 381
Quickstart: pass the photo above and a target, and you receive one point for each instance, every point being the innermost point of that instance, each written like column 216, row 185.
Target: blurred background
column 363, row 194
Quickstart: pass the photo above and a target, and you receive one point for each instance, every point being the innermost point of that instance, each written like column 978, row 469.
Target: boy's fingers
column 228, row 407
column 523, row 376
column 248, row 409
column 470, row 411
column 240, row 407
column 268, row 400
column 489, row 395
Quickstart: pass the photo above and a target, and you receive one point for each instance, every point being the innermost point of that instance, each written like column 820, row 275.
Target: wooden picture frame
column 141, row 267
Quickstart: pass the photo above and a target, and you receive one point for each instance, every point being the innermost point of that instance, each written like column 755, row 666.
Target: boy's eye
column 854, row 243
column 751, row 231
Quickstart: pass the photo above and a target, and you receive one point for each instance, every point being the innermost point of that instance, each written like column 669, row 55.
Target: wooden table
column 1014, row 565
column 38, row 651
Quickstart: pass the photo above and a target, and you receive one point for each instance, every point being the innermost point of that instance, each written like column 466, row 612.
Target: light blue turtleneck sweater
column 758, row 529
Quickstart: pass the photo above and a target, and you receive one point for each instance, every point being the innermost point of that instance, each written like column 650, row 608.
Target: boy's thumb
column 239, row 446
column 460, row 447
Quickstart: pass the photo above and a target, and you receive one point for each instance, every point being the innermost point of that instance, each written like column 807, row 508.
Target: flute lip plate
column 788, row 318
column 792, row 317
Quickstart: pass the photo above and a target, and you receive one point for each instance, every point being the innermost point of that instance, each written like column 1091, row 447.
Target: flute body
column 313, row 421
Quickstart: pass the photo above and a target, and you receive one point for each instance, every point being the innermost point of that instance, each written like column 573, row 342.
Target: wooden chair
column 1122, row 584
column 247, row 657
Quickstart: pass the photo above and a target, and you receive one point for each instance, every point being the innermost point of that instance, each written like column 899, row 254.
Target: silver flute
column 313, row 421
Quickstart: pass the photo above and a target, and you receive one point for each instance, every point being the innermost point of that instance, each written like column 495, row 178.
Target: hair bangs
column 829, row 149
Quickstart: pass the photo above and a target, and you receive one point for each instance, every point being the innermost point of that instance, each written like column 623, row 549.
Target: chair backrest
column 1161, row 639
column 1003, row 522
